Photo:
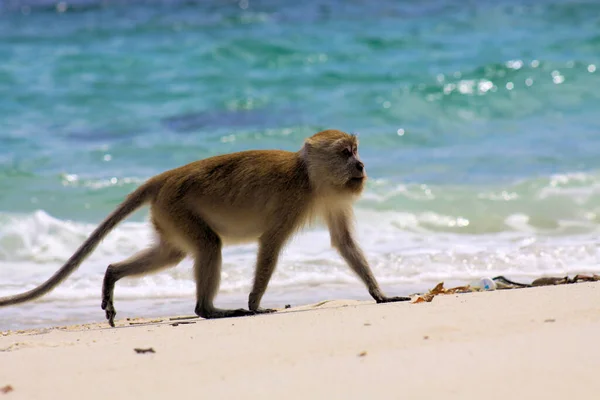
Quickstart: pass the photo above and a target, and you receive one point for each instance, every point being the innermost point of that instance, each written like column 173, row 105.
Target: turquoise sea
column 478, row 120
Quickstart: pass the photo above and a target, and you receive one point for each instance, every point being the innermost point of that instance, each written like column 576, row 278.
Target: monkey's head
column 333, row 162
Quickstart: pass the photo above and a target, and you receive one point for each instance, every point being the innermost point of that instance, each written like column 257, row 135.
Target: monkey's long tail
column 134, row 201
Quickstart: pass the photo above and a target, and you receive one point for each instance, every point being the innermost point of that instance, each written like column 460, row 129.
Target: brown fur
column 263, row 196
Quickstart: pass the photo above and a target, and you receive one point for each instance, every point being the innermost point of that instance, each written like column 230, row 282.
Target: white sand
column 512, row 344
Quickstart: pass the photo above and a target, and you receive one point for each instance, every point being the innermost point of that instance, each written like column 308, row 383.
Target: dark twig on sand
column 143, row 351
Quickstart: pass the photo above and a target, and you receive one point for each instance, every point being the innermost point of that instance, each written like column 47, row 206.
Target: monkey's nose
column 360, row 166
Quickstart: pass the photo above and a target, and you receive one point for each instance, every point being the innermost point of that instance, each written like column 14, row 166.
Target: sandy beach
column 522, row 343
column 476, row 125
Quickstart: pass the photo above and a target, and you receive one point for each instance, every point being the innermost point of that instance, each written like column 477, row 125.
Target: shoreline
column 500, row 344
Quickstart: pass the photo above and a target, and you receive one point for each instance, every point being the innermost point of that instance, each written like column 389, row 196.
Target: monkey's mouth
column 357, row 179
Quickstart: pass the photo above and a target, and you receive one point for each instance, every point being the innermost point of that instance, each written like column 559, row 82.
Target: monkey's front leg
column 268, row 254
column 354, row 257
column 342, row 240
column 357, row 262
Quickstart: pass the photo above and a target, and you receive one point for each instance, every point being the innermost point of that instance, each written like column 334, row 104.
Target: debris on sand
column 143, row 351
column 6, row 389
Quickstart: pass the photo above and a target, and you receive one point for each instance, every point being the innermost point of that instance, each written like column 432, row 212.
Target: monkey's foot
column 222, row 313
column 261, row 310
column 107, row 305
column 392, row 299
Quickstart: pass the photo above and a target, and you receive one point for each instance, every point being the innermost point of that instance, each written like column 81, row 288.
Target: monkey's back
column 240, row 194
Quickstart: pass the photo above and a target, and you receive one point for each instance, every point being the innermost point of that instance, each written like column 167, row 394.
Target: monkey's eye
column 346, row 152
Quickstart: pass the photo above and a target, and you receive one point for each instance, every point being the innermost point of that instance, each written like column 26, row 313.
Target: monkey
column 265, row 196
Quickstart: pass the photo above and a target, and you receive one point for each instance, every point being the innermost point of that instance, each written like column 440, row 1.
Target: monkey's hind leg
column 151, row 260
column 207, row 270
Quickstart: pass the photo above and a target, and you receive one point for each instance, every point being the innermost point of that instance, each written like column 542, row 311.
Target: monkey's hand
column 394, row 299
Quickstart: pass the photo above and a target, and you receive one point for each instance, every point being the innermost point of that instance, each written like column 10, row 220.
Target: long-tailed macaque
column 262, row 195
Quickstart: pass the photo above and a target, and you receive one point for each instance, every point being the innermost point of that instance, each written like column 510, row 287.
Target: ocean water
column 478, row 124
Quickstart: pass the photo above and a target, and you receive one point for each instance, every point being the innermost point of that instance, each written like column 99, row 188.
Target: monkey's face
column 334, row 161
column 354, row 169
